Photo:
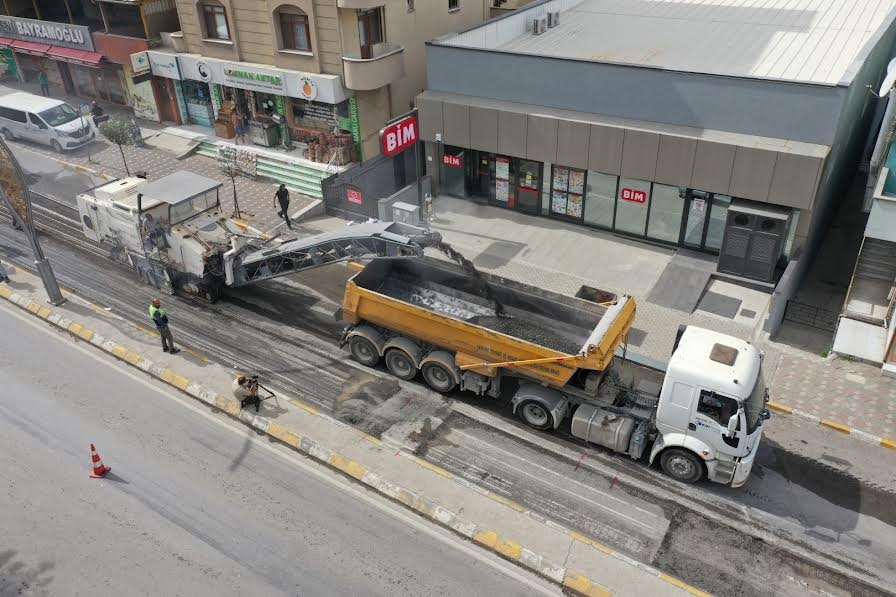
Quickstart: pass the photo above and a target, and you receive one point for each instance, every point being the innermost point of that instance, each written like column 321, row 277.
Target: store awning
column 82, row 57
column 27, row 47
column 4, row 41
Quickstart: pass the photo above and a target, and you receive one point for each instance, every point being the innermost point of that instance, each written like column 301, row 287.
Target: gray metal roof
column 178, row 187
column 813, row 41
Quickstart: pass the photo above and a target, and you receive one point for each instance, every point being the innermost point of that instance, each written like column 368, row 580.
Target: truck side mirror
column 732, row 425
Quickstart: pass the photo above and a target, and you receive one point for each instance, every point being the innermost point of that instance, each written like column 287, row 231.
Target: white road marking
column 317, row 470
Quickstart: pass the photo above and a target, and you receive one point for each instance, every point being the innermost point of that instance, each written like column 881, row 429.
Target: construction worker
column 160, row 318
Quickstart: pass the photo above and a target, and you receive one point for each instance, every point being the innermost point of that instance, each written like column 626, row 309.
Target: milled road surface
column 193, row 505
column 834, row 503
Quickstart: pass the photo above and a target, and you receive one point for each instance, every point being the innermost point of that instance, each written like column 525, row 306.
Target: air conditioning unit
column 553, row 19
column 539, row 25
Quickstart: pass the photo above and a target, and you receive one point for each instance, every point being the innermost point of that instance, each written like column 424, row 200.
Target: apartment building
column 300, row 70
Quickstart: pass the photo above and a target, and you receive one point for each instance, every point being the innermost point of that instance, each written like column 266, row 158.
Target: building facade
column 738, row 143
column 84, row 48
column 327, row 74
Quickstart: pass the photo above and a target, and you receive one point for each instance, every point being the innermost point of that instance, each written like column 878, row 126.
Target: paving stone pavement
column 845, row 391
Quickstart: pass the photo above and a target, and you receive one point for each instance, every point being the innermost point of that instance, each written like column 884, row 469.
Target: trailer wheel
column 534, row 414
column 400, row 364
column 438, row 377
column 682, row 465
column 364, row 351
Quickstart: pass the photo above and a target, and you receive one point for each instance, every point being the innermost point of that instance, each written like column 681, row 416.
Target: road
column 793, row 508
column 194, row 505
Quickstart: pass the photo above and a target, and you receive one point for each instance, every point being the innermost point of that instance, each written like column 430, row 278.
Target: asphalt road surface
column 194, row 505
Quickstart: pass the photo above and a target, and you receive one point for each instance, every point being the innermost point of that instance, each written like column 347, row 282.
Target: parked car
column 44, row 120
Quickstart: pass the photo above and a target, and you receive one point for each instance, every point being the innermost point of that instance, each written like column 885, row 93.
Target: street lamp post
column 16, row 195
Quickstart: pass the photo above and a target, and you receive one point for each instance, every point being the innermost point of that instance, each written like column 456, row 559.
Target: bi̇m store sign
column 46, row 32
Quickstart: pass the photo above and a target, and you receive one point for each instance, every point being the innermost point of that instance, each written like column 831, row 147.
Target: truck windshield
column 756, row 402
column 59, row 115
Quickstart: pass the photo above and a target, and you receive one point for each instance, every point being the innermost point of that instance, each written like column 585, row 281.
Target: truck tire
column 438, row 377
column 682, row 465
column 400, row 364
column 535, row 415
column 364, row 351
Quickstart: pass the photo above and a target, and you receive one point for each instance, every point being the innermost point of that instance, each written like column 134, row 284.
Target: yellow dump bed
column 492, row 320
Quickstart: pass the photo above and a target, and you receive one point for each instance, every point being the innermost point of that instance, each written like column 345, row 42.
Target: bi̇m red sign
column 452, row 161
column 633, row 195
column 398, row 136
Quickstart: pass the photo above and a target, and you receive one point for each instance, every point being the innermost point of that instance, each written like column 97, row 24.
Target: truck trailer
column 700, row 415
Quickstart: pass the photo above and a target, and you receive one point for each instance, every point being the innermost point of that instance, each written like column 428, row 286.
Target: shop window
column 717, row 217
column 667, row 204
column 453, row 171
column 215, row 20
column 600, row 199
column 370, row 29
column 567, row 192
column 294, row 31
column 632, row 205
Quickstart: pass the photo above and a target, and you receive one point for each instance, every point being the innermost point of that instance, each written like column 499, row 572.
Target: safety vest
column 153, row 310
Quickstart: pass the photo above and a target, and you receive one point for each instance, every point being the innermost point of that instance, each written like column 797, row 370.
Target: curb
column 859, row 434
column 572, row 581
column 82, row 169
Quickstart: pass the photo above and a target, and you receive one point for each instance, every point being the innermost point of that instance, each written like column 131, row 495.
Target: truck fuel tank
column 602, row 427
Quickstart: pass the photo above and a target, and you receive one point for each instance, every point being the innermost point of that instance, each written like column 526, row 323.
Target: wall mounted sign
column 398, row 136
column 46, row 32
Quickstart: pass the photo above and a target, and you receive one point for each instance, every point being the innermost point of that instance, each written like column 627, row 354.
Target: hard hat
column 156, row 302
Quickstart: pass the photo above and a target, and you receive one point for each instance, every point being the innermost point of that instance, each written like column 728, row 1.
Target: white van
column 44, row 120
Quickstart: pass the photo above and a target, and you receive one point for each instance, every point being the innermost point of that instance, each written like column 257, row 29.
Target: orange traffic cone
column 99, row 469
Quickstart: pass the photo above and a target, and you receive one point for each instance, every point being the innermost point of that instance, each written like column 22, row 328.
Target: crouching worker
column 246, row 391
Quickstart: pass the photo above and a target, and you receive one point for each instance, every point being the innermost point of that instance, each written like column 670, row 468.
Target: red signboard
column 354, row 196
column 633, row 195
column 398, row 136
column 452, row 161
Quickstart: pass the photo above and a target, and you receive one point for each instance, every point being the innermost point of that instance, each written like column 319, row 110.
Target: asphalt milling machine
column 174, row 233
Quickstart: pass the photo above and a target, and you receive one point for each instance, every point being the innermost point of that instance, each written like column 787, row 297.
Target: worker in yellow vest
column 160, row 318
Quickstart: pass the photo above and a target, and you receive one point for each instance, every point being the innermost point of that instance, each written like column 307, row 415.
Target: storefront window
column 666, row 206
column 717, row 217
column 452, row 170
column 698, row 207
column 528, row 185
column 503, row 189
column 633, row 201
column 546, row 192
column 600, row 199
column 567, row 192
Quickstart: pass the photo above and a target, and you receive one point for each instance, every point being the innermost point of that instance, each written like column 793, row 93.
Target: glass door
column 715, row 230
column 528, row 187
column 695, row 218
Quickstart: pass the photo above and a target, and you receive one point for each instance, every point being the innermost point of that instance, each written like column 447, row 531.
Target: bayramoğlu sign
column 45, row 32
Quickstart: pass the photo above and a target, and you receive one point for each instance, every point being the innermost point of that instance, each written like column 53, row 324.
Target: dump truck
column 700, row 415
column 191, row 245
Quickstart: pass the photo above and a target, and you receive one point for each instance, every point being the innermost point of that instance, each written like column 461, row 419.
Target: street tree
column 121, row 132
column 232, row 170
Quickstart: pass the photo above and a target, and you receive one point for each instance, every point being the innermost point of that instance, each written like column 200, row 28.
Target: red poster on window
column 633, row 195
column 354, row 196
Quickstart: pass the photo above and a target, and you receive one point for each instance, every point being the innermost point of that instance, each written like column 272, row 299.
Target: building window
column 370, row 29
column 600, row 199
column 215, row 22
column 665, row 212
column 453, row 5
column 567, row 192
column 295, row 32
column 632, row 203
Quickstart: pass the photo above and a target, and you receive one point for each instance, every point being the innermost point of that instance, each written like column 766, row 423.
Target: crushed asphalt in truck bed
column 483, row 285
column 530, row 331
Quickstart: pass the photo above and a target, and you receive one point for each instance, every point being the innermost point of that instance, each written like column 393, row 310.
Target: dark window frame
column 371, row 30
column 453, row 5
column 209, row 12
column 289, row 22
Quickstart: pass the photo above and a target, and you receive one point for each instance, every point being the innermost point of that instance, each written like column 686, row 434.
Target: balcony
column 386, row 65
column 362, row 4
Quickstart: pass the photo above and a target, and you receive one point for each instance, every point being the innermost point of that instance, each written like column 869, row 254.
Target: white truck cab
column 711, row 408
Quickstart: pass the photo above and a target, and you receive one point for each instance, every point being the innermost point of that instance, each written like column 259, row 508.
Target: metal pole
column 417, row 159
column 54, row 295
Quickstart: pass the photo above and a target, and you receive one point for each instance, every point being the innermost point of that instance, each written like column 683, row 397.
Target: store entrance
column 504, row 181
column 704, row 218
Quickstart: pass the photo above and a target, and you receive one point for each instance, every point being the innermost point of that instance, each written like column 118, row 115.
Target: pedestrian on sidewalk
column 44, row 83
column 160, row 318
column 239, row 126
column 282, row 196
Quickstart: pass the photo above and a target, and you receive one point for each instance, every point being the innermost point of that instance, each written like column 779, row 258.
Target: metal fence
column 816, row 317
column 355, row 192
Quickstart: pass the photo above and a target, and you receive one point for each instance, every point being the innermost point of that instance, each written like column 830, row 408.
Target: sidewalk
column 579, row 564
column 562, row 257
column 100, row 157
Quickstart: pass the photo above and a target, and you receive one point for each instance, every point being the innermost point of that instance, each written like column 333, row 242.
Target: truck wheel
column 534, row 414
column 438, row 377
column 364, row 351
column 400, row 364
column 682, row 465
